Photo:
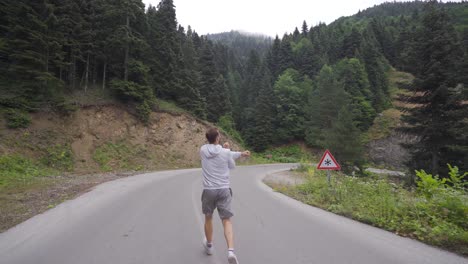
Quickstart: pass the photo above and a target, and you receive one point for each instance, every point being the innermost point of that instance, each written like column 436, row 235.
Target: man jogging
column 217, row 194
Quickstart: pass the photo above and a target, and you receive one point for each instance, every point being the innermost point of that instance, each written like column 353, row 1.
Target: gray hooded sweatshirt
column 216, row 162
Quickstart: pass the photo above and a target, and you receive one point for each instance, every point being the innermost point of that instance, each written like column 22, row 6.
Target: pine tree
column 438, row 98
column 26, row 53
column 306, row 60
column 163, row 42
column 189, row 78
column 352, row 43
column 323, row 105
column 265, row 115
column 70, row 21
column 305, row 29
column 290, row 93
column 213, row 86
column 253, row 80
column 354, row 78
column 285, row 56
column 376, row 72
column 273, row 58
column 296, row 34
column 343, row 139
column 133, row 82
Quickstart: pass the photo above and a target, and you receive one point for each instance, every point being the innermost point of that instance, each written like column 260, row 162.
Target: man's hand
column 226, row 145
column 245, row 154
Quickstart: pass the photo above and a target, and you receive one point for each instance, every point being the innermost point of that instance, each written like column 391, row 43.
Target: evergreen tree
column 435, row 119
column 352, row 43
column 354, row 78
column 165, row 49
column 253, row 80
column 273, row 58
column 376, row 72
column 306, row 60
column 27, row 47
column 296, row 34
column 324, row 103
column 213, row 86
column 285, row 56
column 264, row 115
column 384, row 38
column 343, row 139
column 190, row 77
column 290, row 91
column 305, row 29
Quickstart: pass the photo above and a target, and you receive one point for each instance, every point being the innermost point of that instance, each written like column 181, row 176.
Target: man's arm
column 235, row 154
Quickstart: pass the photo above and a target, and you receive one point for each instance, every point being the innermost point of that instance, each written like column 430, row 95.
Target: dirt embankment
column 94, row 134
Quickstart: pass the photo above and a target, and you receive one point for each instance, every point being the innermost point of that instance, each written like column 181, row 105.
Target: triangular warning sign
column 328, row 162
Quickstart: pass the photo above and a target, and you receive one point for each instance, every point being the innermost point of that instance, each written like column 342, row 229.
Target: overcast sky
column 269, row 17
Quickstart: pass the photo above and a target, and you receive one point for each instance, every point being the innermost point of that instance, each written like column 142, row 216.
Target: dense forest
column 322, row 84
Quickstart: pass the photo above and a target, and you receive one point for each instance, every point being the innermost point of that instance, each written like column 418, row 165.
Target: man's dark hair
column 212, row 134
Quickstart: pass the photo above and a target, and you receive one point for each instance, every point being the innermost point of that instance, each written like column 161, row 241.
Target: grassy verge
column 18, row 170
column 19, row 176
column 434, row 213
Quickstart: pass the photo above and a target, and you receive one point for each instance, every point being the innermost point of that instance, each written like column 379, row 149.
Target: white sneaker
column 232, row 259
column 208, row 250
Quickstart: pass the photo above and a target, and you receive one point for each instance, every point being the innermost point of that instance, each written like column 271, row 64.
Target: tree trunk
column 127, row 47
column 47, row 61
column 72, row 72
column 104, row 75
column 94, row 71
column 86, row 74
column 435, row 163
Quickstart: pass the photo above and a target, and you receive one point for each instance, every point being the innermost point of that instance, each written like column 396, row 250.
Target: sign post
column 328, row 163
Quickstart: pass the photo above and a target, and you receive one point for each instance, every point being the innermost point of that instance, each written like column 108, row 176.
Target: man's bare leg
column 227, row 224
column 209, row 228
column 228, row 234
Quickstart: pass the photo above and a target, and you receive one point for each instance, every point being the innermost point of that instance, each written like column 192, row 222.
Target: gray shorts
column 218, row 198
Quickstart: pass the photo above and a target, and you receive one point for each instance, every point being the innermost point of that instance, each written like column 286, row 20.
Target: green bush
column 59, row 157
column 17, row 118
column 144, row 111
column 18, row 169
column 64, row 107
column 135, row 92
column 226, row 123
column 429, row 185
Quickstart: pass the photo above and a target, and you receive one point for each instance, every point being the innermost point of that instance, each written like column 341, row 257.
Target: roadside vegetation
column 291, row 153
column 434, row 211
column 118, row 156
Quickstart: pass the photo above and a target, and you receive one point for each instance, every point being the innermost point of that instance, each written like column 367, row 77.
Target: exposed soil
column 169, row 141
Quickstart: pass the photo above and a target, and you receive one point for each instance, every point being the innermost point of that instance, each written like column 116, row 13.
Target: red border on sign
column 338, row 167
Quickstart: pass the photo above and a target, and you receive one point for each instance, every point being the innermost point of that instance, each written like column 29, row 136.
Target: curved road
column 156, row 218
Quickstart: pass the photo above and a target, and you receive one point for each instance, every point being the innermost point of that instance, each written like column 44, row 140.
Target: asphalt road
column 156, row 218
